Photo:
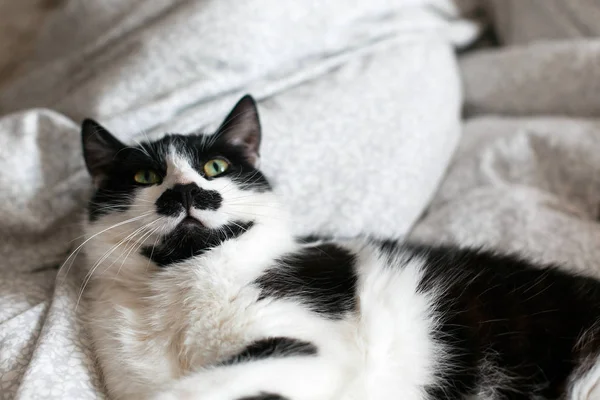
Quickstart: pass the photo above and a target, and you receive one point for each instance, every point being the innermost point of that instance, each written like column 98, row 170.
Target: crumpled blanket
column 526, row 175
column 360, row 104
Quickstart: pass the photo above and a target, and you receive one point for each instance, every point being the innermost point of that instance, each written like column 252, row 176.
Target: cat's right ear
column 241, row 128
column 99, row 148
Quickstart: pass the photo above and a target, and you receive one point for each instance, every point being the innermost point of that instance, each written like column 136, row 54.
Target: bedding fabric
column 526, row 175
column 359, row 101
column 360, row 104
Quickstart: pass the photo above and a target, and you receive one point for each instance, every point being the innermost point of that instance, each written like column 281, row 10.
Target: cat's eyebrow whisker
column 141, row 147
column 145, row 133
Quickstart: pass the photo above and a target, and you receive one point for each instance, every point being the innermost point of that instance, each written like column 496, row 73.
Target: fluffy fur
column 199, row 290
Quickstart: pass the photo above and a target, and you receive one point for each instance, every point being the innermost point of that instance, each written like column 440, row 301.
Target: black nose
column 185, row 194
column 184, row 197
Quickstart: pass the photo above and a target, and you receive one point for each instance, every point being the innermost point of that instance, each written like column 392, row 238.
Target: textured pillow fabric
column 360, row 100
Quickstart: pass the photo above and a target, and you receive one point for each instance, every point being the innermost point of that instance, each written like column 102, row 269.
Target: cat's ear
column 99, row 148
column 241, row 128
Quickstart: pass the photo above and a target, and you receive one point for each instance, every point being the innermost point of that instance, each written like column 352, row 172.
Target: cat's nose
column 184, row 197
column 186, row 194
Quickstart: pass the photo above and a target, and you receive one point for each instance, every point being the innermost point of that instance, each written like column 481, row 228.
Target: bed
column 474, row 123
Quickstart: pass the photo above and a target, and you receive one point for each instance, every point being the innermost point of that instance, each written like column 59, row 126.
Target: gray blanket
column 526, row 176
column 366, row 93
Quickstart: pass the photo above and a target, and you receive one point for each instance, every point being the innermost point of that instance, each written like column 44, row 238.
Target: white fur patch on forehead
column 179, row 167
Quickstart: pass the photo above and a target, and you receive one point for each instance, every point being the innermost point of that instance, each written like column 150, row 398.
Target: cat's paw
column 270, row 379
column 185, row 394
column 190, row 393
column 264, row 396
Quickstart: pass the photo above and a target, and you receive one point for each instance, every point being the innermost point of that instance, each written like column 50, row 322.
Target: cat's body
column 234, row 307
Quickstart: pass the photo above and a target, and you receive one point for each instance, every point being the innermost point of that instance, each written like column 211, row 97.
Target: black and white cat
column 199, row 290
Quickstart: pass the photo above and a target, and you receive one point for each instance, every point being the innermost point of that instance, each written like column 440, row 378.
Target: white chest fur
column 153, row 325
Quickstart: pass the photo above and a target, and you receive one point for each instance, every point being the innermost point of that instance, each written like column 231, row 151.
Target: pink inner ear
column 246, row 140
column 249, row 142
column 97, row 181
column 238, row 141
column 254, row 160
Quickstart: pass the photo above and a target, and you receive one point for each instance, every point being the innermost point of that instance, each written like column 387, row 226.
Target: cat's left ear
column 99, row 149
column 241, row 128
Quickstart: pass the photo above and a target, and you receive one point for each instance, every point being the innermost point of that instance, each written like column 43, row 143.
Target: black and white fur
column 199, row 290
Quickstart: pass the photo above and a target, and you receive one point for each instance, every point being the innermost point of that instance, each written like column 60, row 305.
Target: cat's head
column 182, row 194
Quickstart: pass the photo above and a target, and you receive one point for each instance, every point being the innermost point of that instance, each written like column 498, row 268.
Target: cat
column 198, row 289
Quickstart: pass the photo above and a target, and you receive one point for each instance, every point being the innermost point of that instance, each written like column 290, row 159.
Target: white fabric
column 360, row 106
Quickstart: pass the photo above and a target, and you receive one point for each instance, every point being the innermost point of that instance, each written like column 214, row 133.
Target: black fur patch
column 313, row 238
column 182, row 197
column 322, row 276
column 118, row 186
column 264, row 396
column 276, row 347
column 190, row 241
column 108, row 200
column 501, row 313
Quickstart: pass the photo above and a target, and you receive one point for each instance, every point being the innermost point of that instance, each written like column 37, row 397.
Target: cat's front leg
column 292, row 378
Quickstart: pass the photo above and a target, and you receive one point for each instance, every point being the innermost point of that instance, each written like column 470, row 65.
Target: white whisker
column 92, row 237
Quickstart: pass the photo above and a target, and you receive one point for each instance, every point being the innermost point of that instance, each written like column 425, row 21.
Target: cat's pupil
column 147, row 176
column 216, row 166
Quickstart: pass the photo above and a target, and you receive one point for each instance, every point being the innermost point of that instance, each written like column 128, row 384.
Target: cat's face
column 183, row 194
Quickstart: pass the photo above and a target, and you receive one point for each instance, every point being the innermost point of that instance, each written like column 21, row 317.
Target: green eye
column 147, row 177
column 215, row 167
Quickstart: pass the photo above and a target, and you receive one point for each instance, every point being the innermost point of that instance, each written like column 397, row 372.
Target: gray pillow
column 360, row 100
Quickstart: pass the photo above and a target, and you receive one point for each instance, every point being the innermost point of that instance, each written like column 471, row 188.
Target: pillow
column 360, row 100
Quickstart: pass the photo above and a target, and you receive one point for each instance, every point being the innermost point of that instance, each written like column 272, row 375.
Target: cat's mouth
column 191, row 222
